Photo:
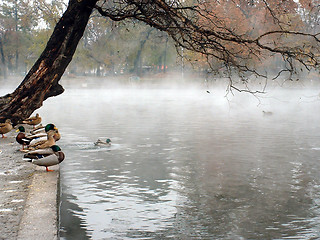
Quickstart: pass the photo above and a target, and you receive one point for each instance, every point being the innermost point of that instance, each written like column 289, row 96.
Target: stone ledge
column 40, row 217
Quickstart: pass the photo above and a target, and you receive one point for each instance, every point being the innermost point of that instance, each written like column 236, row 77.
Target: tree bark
column 42, row 81
column 138, row 61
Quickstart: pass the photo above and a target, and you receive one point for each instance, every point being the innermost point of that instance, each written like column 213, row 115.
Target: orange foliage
column 250, row 19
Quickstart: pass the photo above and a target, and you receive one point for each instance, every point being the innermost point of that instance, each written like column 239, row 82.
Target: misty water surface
column 187, row 164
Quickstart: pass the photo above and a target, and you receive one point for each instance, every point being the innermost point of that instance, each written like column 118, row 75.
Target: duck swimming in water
column 45, row 157
column 267, row 113
column 100, row 142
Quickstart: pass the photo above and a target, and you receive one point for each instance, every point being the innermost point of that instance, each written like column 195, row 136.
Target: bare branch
column 196, row 28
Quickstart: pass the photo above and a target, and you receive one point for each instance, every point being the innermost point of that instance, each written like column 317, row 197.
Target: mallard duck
column 33, row 121
column 48, row 127
column 45, row 157
column 100, row 142
column 42, row 128
column 50, row 141
column 267, row 113
column 5, row 127
column 22, row 138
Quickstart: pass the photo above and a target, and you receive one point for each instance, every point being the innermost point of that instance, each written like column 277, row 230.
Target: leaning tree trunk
column 42, row 81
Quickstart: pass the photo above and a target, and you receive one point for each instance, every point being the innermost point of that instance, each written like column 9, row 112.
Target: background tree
column 193, row 25
column 110, row 48
column 17, row 18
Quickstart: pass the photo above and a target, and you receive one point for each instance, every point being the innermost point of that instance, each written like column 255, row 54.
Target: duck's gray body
column 267, row 113
column 38, row 138
column 45, row 157
column 48, row 161
column 44, row 151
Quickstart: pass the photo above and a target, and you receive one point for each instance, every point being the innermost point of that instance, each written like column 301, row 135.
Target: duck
column 42, row 128
column 56, row 135
column 33, row 121
column 42, row 136
column 25, row 140
column 100, row 142
column 22, row 138
column 267, row 113
column 50, row 141
column 5, row 127
column 48, row 127
column 45, row 157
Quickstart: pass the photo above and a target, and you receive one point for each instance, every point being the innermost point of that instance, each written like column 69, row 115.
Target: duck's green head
column 56, row 148
column 49, row 127
column 108, row 140
column 21, row 129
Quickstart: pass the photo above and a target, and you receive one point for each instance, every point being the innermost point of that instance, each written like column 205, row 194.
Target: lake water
column 187, row 164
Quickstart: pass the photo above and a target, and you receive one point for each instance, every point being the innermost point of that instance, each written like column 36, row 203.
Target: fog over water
column 188, row 164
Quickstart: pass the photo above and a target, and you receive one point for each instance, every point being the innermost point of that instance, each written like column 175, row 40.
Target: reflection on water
column 185, row 164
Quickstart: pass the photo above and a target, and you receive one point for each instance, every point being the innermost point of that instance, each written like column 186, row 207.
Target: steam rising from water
column 187, row 164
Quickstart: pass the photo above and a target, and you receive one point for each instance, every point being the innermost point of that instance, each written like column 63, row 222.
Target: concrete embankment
column 28, row 197
column 40, row 217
